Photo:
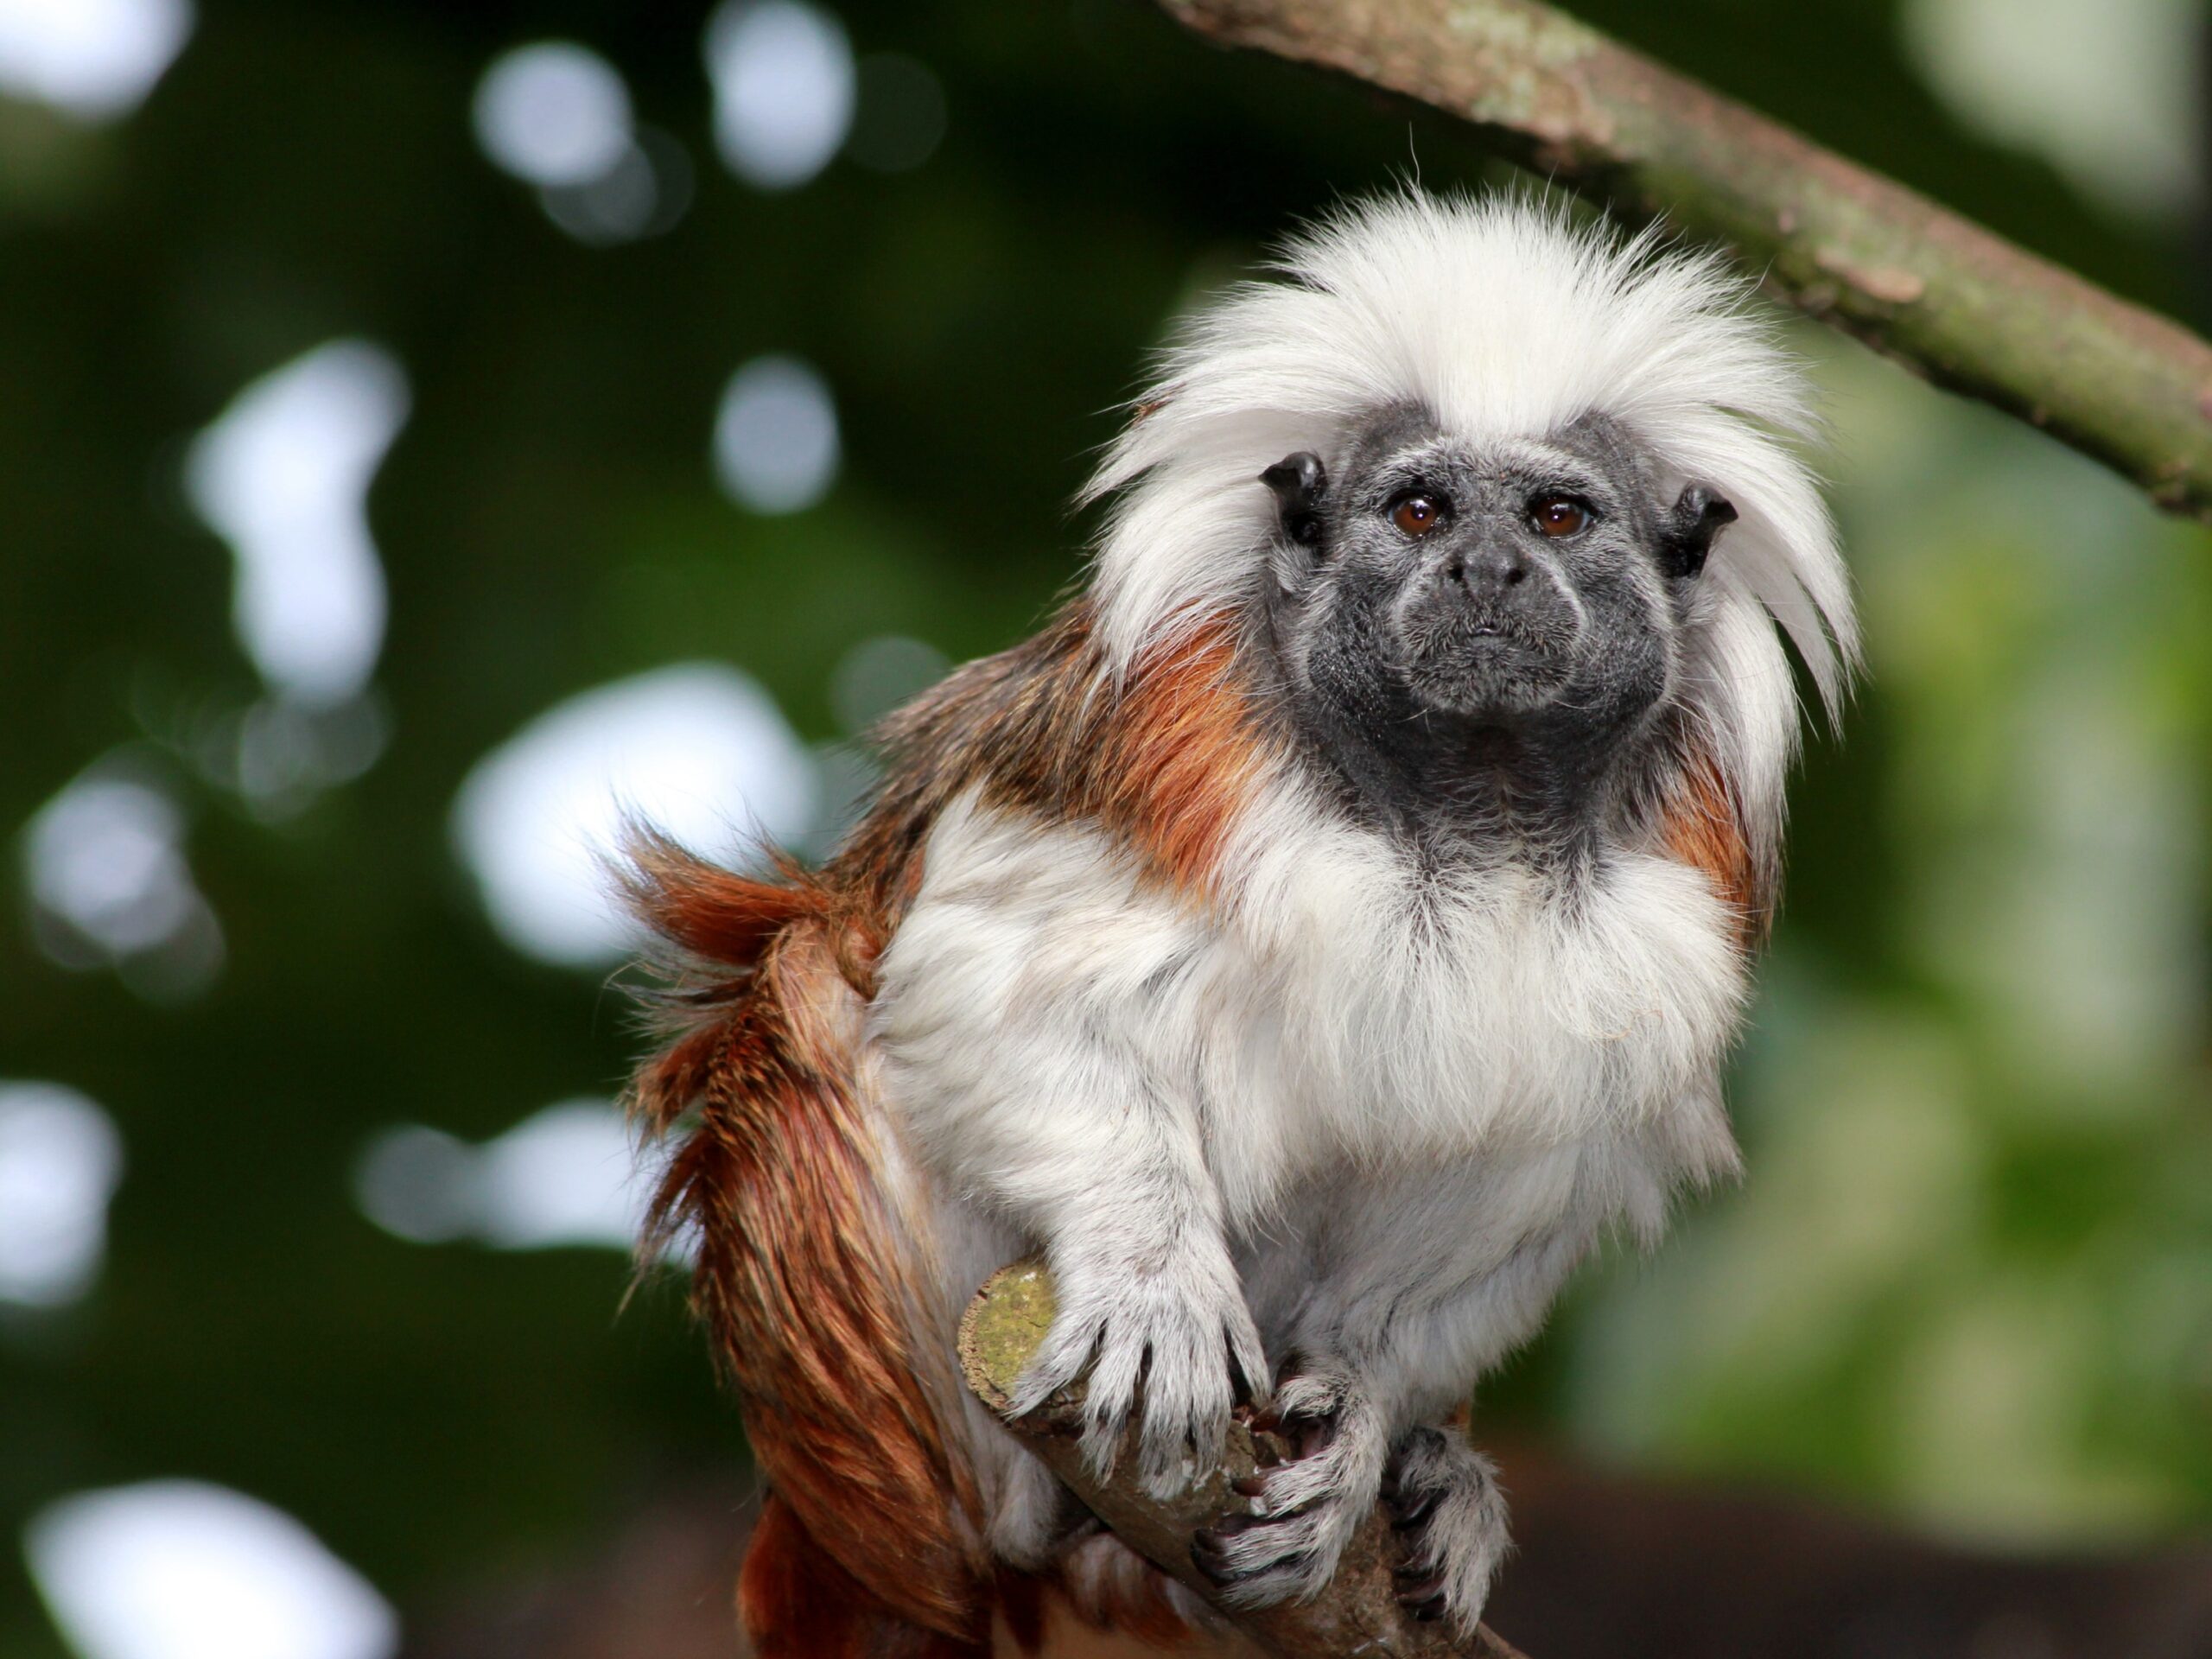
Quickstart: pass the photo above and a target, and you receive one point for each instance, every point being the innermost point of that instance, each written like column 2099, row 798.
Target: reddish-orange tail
column 774, row 1181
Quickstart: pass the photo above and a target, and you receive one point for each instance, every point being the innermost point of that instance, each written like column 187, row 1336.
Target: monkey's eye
column 1560, row 514
column 1417, row 514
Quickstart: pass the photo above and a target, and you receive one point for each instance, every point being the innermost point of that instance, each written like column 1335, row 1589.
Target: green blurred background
column 709, row 379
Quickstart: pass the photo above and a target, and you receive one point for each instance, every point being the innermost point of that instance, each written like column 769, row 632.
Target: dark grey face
column 1466, row 628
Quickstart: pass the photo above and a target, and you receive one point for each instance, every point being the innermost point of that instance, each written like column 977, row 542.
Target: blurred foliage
column 1970, row 1277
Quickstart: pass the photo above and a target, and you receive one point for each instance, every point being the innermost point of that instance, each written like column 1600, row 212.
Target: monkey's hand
column 1303, row 1511
column 1177, row 1328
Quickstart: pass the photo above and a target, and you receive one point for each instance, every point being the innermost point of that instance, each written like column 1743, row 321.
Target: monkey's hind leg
column 1443, row 1501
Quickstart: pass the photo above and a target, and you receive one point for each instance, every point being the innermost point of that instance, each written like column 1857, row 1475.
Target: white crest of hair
column 1503, row 319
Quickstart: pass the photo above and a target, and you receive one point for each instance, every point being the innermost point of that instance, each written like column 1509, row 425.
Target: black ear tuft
column 1688, row 533
column 1300, row 482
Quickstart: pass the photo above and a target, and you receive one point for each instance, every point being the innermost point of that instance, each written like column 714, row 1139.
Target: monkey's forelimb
column 1359, row 1613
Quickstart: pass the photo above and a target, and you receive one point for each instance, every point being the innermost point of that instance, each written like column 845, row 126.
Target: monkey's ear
column 1300, row 482
column 1687, row 532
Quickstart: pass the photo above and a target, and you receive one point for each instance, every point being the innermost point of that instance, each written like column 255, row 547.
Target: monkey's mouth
column 1485, row 663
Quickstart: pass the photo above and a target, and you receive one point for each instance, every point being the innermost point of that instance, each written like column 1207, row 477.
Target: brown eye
column 1558, row 514
column 1416, row 515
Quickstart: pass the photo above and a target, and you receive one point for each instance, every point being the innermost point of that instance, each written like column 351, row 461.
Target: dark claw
column 1414, row 1511
column 1252, row 1485
column 1308, row 1435
column 1423, row 1600
column 1205, row 1556
column 1206, row 1552
column 1209, row 1554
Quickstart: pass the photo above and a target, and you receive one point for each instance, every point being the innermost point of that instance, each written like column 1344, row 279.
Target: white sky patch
column 698, row 750
column 105, row 863
column 59, row 1159
column 96, row 59
column 2105, row 89
column 567, row 1175
column 776, row 445
column 553, row 113
column 180, row 1569
column 284, row 476
column 783, row 89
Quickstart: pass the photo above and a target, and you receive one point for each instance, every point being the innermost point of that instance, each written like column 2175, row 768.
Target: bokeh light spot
column 284, row 476
column 418, row 1182
column 557, row 115
column 2106, row 90
column 567, row 1175
column 96, row 59
column 105, row 863
column 783, row 89
column 181, row 1569
column 59, row 1159
column 553, row 113
column 698, row 750
column 776, row 445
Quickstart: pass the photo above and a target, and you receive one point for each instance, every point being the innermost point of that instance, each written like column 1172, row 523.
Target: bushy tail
column 774, row 1181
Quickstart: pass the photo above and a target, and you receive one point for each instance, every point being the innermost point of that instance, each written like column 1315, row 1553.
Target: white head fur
column 1501, row 318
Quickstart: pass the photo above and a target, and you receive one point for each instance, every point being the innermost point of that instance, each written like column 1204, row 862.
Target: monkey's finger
column 1251, row 1381
column 1411, row 1511
column 1422, row 1592
column 1217, row 1555
column 1066, row 1349
column 1101, row 1443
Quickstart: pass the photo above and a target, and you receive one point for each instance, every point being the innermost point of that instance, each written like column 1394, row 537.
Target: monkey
column 1312, row 942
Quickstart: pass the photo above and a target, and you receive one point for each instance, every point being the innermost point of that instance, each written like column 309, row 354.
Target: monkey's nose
column 1487, row 570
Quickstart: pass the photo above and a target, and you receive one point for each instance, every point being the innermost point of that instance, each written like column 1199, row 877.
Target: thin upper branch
column 1358, row 1614
column 1966, row 309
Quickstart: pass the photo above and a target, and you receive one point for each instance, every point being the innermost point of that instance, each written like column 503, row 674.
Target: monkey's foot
column 1443, row 1499
column 1303, row 1511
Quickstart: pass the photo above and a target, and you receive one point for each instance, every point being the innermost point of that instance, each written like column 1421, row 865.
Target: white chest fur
column 1335, row 1006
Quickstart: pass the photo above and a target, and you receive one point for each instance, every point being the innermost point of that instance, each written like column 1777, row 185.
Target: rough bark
column 1358, row 1614
column 1966, row 309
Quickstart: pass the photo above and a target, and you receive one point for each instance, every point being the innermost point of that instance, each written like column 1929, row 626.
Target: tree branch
column 1359, row 1614
column 1966, row 309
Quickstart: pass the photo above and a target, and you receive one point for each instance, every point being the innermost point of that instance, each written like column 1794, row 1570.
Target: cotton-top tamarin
column 1310, row 942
